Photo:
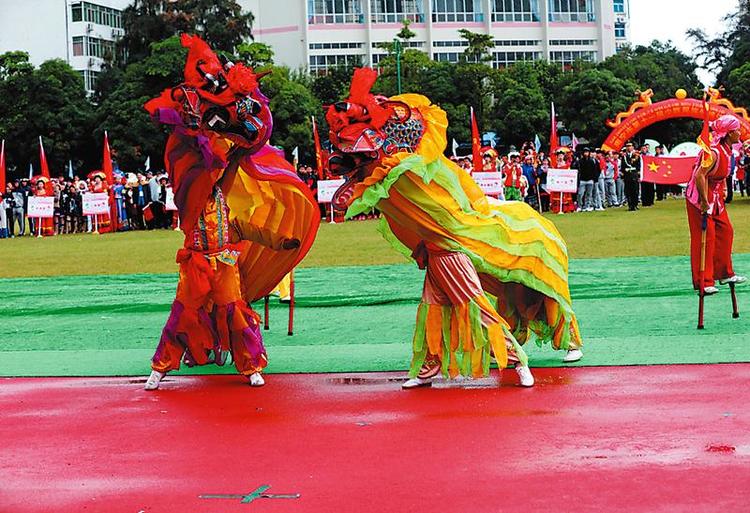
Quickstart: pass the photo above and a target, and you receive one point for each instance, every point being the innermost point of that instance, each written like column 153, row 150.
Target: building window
column 448, row 56
column 505, row 59
column 76, row 12
column 335, row 46
column 396, row 11
column 319, row 64
column 93, row 13
column 90, row 78
column 619, row 6
column 450, row 44
column 567, row 58
column 457, row 10
column 335, row 11
column 78, row 47
column 517, row 42
column 620, row 30
column 572, row 42
column 93, row 47
column 515, row 10
column 567, row 11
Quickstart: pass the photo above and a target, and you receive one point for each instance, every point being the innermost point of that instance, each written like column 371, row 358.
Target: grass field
column 657, row 231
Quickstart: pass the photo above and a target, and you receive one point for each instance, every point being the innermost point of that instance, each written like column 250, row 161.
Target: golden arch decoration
column 643, row 113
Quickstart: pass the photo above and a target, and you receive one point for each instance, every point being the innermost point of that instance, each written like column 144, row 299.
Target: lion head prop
column 217, row 95
column 364, row 129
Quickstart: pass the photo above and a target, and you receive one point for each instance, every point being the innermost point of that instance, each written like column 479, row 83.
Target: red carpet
column 671, row 438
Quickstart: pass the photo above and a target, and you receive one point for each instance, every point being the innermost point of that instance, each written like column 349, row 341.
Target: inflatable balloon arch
column 644, row 113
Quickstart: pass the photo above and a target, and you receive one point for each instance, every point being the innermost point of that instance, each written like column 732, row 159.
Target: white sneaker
column 256, row 380
column 417, row 383
column 573, row 355
column 590, row 209
column 524, row 373
column 709, row 291
column 152, row 383
column 733, row 279
column 600, row 209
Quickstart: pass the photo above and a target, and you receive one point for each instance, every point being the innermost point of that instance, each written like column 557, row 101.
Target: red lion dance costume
column 390, row 151
column 248, row 219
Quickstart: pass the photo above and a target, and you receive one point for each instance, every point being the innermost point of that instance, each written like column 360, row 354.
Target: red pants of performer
column 209, row 313
column 719, row 237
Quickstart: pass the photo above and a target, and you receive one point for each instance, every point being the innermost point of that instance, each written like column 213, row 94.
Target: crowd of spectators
column 138, row 201
column 606, row 179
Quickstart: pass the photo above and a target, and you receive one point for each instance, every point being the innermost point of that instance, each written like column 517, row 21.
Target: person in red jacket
column 705, row 195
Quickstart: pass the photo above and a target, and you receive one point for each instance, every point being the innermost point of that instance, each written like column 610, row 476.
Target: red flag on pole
column 704, row 141
column 107, row 161
column 476, row 144
column 43, row 160
column 2, row 167
column 318, row 151
column 667, row 170
column 554, row 142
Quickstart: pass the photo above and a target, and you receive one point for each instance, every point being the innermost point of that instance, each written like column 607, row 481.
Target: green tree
column 255, row 54
column 50, row 102
column 591, row 98
column 480, row 46
column 519, row 111
column 222, row 23
column 292, row 105
column 738, row 85
column 729, row 50
column 133, row 135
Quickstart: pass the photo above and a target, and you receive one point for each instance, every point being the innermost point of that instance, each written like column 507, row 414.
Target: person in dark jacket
column 588, row 173
column 630, row 167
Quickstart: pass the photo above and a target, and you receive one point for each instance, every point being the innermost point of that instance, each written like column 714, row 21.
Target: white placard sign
column 95, row 203
column 490, row 183
column 170, row 204
column 562, row 180
column 41, row 206
column 327, row 188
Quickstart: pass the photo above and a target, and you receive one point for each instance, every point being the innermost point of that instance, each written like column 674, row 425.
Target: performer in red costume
column 247, row 218
column 705, row 199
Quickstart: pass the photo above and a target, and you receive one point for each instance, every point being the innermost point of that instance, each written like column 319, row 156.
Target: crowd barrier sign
column 490, row 183
column 326, row 191
column 95, row 203
column 562, row 181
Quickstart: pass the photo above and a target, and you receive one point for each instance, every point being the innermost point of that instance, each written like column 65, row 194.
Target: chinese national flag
column 667, row 170
column 318, row 151
column 476, row 145
column 43, row 160
column 107, row 161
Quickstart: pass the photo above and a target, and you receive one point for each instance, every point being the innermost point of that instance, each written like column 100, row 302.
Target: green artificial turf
column 632, row 311
column 657, row 231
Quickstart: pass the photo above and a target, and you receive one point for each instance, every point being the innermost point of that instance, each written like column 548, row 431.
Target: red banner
column 43, row 159
column 2, row 168
column 318, row 151
column 107, row 161
column 667, row 170
column 554, row 142
column 476, row 145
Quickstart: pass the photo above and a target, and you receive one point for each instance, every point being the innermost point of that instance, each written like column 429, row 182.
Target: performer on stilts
column 496, row 272
column 247, row 218
column 705, row 205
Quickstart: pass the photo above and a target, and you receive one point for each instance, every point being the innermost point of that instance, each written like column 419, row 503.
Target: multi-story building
column 318, row 34
column 81, row 33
